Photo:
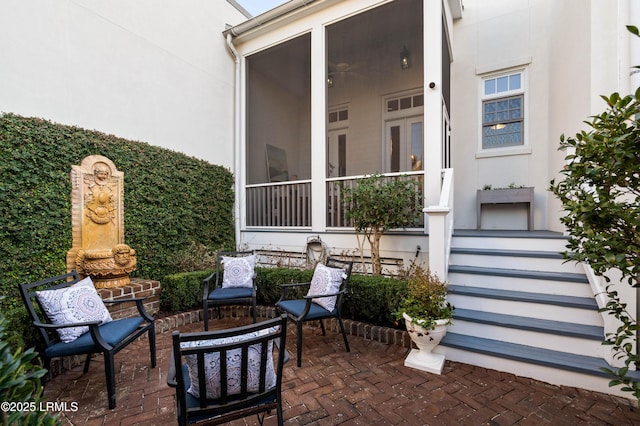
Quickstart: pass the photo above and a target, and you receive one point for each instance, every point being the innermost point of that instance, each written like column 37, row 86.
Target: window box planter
column 505, row 196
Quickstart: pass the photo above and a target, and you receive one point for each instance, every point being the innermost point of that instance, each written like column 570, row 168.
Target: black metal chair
column 106, row 338
column 237, row 288
column 310, row 307
column 228, row 374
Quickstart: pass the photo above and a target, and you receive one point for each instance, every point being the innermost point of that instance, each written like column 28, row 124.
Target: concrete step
column 549, row 334
column 522, row 280
column 510, row 240
column 532, row 260
column 551, row 366
column 528, row 304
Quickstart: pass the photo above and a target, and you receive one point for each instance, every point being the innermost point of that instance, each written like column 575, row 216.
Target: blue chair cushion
column 296, row 308
column 230, row 293
column 112, row 332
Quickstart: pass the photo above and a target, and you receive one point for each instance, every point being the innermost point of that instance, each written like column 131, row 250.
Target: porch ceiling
column 354, row 46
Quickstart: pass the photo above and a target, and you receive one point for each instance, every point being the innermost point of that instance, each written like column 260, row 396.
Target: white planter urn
column 422, row 358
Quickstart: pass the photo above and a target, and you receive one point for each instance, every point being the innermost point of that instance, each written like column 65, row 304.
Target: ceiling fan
column 342, row 70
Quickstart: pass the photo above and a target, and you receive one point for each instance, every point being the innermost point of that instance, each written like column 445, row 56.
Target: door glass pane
column 342, row 155
column 416, row 146
column 395, row 148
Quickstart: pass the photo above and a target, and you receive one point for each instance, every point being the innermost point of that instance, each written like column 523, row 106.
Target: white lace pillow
column 326, row 281
column 238, row 271
column 212, row 365
column 78, row 303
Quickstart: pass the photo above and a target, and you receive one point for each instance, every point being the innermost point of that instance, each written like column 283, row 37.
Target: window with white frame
column 503, row 110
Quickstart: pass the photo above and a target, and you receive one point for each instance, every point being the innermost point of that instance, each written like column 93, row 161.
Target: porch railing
column 286, row 204
column 337, row 211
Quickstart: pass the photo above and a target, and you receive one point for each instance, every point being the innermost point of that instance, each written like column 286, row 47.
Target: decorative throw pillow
column 79, row 302
column 238, row 271
column 234, row 365
column 326, row 281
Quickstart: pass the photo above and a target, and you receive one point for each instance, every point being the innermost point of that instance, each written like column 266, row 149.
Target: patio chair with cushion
column 233, row 283
column 322, row 301
column 72, row 319
column 228, row 374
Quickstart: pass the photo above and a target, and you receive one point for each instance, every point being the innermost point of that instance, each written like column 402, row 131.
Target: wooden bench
column 505, row 196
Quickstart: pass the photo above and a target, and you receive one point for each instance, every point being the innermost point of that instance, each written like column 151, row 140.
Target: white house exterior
column 563, row 54
column 149, row 70
column 454, row 94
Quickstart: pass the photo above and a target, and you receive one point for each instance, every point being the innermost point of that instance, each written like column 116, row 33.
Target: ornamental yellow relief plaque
column 97, row 220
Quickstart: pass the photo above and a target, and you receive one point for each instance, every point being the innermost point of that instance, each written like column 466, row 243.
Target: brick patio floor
column 368, row 386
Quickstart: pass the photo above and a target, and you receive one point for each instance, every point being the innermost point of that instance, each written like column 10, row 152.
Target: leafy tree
column 600, row 194
column 378, row 204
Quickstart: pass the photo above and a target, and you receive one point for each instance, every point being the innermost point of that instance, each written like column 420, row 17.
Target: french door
column 404, row 145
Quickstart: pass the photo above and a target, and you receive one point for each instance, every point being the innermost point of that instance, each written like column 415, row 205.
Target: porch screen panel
column 278, row 142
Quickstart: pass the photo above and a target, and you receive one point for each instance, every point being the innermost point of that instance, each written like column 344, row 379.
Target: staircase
column 521, row 309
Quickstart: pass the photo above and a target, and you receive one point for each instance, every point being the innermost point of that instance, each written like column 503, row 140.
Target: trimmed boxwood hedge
column 171, row 200
column 370, row 299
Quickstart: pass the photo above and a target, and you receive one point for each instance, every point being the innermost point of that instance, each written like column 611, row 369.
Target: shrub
column 183, row 291
column 370, row 299
column 20, row 382
column 600, row 194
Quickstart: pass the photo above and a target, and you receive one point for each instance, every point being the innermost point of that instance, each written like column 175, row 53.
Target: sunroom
column 331, row 92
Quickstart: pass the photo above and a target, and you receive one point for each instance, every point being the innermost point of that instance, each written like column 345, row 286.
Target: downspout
column 236, row 137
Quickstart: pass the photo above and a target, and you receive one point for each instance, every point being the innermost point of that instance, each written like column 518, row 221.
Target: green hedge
column 370, row 299
column 183, row 291
column 171, row 200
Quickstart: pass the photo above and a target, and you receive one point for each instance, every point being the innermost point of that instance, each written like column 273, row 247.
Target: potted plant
column 426, row 313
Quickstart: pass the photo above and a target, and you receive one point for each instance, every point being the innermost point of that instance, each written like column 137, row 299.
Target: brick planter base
column 149, row 289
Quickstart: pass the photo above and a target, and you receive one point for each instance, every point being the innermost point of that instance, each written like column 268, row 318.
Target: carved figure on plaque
column 98, row 248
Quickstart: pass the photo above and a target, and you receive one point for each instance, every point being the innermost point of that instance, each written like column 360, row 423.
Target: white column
column 432, row 100
column 634, row 46
column 318, row 129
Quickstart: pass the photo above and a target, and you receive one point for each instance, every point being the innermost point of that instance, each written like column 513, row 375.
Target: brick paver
column 368, row 386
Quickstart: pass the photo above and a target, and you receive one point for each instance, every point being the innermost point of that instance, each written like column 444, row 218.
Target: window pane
column 418, row 101
column 405, row 103
column 504, row 127
column 503, row 84
column 514, row 82
column 343, row 115
column 333, row 117
column 490, row 86
column 502, row 135
column 392, row 105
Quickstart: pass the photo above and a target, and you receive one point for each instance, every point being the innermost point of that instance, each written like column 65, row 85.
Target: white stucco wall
column 150, row 70
column 571, row 52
